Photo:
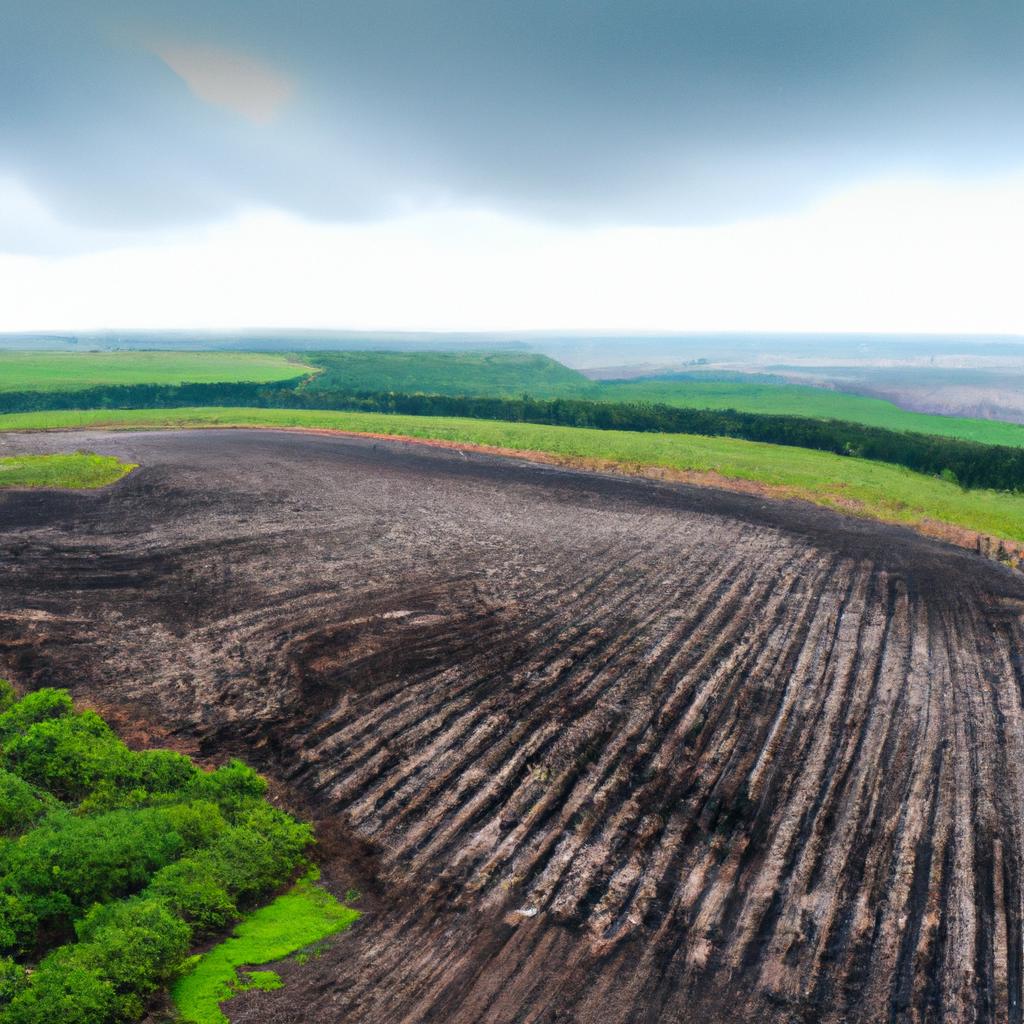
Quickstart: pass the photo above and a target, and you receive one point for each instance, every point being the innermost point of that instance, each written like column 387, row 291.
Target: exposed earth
column 595, row 749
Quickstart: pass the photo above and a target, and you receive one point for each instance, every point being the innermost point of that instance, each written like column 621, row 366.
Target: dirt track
column 746, row 760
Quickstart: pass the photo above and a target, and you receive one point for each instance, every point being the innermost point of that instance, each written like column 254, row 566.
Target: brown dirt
column 747, row 759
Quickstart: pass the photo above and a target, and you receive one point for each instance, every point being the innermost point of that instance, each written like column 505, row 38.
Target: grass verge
column 855, row 486
column 302, row 916
column 79, row 470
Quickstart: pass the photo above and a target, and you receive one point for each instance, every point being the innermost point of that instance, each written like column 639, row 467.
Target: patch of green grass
column 872, row 489
column 804, row 400
column 69, row 371
column 499, row 374
column 303, row 915
column 78, row 471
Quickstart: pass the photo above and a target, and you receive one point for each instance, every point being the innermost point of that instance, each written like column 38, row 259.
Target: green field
column 857, row 486
column 804, row 400
column 80, row 470
column 514, row 374
column 66, row 371
column 498, row 374
column 304, row 915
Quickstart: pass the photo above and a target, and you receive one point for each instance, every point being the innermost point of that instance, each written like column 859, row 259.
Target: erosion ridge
column 745, row 759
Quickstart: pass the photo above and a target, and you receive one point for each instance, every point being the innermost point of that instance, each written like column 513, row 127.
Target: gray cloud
column 633, row 111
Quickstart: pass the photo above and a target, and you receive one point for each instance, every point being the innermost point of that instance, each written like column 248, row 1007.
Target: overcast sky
column 460, row 164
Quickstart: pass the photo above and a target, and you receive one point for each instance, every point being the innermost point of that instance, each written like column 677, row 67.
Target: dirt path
column 599, row 749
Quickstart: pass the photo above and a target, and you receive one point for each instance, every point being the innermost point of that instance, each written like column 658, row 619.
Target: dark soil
column 745, row 760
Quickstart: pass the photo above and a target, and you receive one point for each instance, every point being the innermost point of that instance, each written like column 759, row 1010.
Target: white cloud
column 226, row 78
column 894, row 256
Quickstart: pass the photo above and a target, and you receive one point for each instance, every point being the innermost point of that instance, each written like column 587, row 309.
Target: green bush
column 19, row 804
column 120, row 859
column 12, row 979
column 71, row 756
column 38, row 706
column 194, row 889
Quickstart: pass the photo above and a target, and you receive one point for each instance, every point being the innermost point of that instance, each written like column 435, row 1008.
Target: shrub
column 194, row 889
column 71, row 756
column 130, row 853
column 33, row 707
column 19, row 804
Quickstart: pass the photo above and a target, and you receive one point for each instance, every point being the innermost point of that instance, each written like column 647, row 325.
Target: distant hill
column 499, row 374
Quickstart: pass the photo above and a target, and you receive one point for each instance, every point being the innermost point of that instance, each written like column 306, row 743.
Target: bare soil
column 596, row 749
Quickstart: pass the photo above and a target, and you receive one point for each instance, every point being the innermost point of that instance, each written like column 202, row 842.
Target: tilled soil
column 595, row 749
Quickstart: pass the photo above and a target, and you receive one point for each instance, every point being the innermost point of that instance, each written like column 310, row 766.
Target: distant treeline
column 967, row 463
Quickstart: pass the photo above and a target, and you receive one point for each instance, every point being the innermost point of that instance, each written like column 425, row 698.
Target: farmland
column 866, row 488
column 62, row 371
column 587, row 743
column 755, row 395
column 500, row 374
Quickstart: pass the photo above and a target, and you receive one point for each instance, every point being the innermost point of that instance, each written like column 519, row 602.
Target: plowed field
column 597, row 749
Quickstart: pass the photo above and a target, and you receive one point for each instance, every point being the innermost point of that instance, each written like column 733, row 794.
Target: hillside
column 447, row 373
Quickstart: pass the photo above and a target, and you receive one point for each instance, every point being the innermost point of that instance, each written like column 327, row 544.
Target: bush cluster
column 113, row 862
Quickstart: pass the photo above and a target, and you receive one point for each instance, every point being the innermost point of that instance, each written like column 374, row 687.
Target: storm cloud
column 134, row 116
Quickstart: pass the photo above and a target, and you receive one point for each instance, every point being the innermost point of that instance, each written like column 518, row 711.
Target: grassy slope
column 449, row 373
column 869, row 488
column 64, row 371
column 81, row 470
column 303, row 915
column 800, row 400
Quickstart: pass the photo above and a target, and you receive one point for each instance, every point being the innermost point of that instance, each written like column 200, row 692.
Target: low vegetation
column 850, row 484
column 79, row 470
column 760, row 394
column 304, row 915
column 965, row 462
column 448, row 373
column 113, row 863
column 73, row 371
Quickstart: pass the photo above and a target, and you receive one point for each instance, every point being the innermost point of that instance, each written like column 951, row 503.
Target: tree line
column 968, row 463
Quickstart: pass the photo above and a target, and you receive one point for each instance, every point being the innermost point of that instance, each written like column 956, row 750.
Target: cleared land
column 78, row 470
column 857, row 486
column 596, row 749
column 65, row 371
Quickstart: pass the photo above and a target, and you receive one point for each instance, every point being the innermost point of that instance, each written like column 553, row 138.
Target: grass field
column 300, row 917
column 857, row 486
column 80, row 471
column 803, row 400
column 500, row 374
column 65, row 371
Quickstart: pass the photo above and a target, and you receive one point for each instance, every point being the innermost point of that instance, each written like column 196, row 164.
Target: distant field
column 514, row 374
column 80, row 470
column 499, row 374
column 64, row 371
column 856, row 486
column 805, row 400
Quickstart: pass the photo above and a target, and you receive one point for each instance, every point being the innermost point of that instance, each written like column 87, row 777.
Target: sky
column 530, row 164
